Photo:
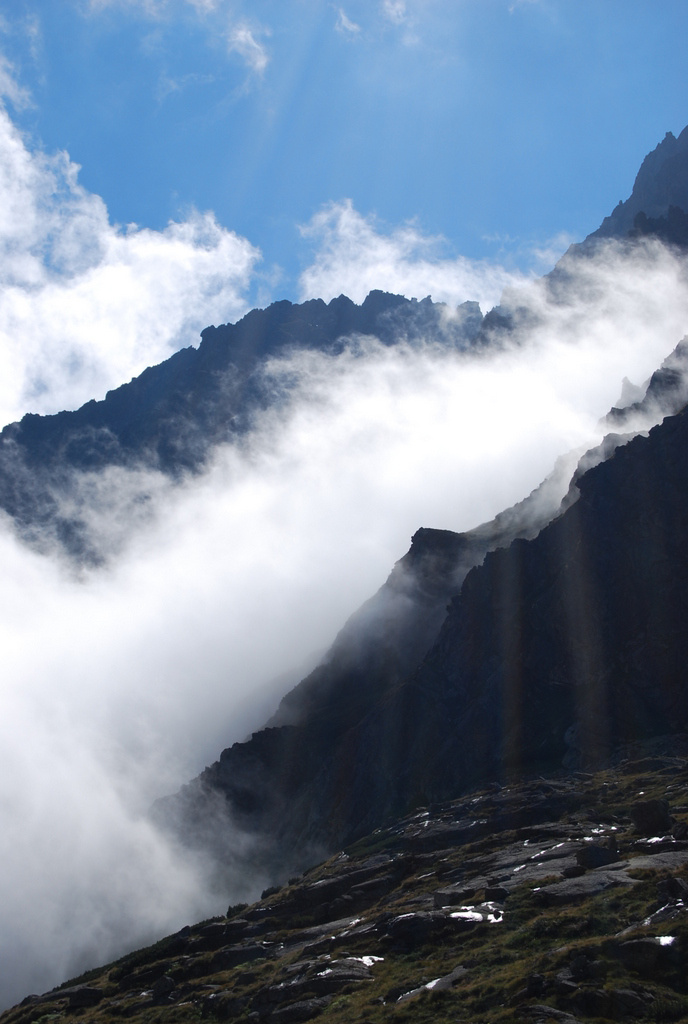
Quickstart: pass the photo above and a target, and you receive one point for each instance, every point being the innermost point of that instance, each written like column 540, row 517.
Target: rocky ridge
column 659, row 200
column 59, row 472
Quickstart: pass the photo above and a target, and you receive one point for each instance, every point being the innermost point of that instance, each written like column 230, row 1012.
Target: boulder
column 651, row 817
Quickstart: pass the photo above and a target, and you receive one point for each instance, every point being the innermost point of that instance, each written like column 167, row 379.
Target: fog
column 118, row 684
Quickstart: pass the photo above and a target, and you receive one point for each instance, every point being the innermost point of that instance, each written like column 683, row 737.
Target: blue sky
column 315, row 147
column 496, row 124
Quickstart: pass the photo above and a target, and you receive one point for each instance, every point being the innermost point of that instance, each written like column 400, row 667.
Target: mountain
column 658, row 203
column 552, row 636
column 555, row 651
column 549, row 642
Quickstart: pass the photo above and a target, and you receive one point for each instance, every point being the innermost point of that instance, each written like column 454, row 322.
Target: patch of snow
column 489, row 912
column 467, row 915
column 666, row 940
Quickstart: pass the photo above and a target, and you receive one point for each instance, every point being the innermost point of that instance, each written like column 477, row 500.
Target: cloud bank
column 354, row 255
column 117, row 686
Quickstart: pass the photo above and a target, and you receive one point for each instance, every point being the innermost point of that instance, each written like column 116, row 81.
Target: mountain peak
column 660, row 184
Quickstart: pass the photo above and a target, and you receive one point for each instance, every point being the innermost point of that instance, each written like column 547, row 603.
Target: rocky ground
column 561, row 899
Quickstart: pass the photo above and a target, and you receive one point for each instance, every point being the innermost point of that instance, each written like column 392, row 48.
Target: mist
column 119, row 684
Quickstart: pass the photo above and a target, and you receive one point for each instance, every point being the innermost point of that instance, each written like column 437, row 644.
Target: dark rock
column 625, row 1003
column 643, row 955
column 580, row 680
column 306, row 1009
column 651, row 817
column 234, row 955
column 673, row 889
column 163, row 987
column 235, row 928
column 591, row 1002
column 212, row 936
column 595, row 855
column 583, row 968
column 535, row 985
column 221, row 1006
column 453, row 896
column 409, row 931
column 496, row 893
column 448, row 981
column 83, row 995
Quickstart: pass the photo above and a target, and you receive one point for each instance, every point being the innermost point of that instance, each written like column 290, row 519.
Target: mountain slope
column 537, row 662
column 553, row 899
column 556, row 651
column 546, row 639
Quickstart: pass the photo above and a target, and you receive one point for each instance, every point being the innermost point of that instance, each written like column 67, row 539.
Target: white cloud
column 354, row 256
column 345, row 25
column 119, row 686
column 241, row 40
column 206, row 6
column 86, row 305
column 395, row 10
column 10, row 89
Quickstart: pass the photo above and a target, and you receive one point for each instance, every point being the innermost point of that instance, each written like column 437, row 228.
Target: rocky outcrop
column 665, row 392
column 493, row 907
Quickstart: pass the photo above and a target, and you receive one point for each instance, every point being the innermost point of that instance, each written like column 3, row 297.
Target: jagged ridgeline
column 550, row 641
column 169, row 419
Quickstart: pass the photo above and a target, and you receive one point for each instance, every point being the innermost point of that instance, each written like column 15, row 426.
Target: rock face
column 557, row 651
